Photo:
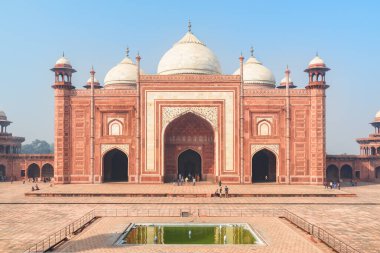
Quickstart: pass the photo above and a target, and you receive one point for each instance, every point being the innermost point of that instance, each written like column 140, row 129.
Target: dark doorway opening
column 2, row 171
column 190, row 164
column 47, row 170
column 346, row 172
column 33, row 171
column 377, row 172
column 115, row 166
column 264, row 166
column 332, row 173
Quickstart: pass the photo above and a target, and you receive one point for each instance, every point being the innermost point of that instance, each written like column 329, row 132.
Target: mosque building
column 190, row 120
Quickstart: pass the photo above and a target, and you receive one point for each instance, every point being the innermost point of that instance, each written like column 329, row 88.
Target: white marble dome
column 189, row 56
column 123, row 75
column 377, row 115
column 63, row 61
column 317, row 62
column 257, row 75
column 3, row 116
column 95, row 81
column 283, row 81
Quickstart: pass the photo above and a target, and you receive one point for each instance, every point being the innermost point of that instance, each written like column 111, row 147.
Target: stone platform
column 186, row 190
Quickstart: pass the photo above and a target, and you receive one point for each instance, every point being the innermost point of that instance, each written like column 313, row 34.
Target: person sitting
column 33, row 189
column 216, row 194
column 37, row 187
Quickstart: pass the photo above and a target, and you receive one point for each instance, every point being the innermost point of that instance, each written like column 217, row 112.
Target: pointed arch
column 34, row 171
column 47, row 170
column 264, row 128
column 115, row 166
column 189, row 164
column 115, row 127
column 264, row 166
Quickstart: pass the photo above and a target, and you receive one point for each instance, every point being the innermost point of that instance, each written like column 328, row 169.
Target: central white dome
column 189, row 56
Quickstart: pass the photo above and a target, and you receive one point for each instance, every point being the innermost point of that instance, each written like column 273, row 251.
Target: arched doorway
column 377, row 172
column 33, row 171
column 190, row 164
column 2, row 171
column 115, row 166
column 346, row 172
column 47, row 170
column 264, row 166
column 187, row 133
column 332, row 173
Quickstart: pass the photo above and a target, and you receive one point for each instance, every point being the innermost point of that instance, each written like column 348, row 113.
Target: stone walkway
column 26, row 220
column 280, row 237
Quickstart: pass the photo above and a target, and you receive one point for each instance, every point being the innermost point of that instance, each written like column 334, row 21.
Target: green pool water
column 188, row 234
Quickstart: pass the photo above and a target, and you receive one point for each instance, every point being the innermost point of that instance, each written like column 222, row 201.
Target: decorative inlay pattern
column 271, row 147
column 107, row 147
column 190, row 78
column 276, row 92
column 208, row 113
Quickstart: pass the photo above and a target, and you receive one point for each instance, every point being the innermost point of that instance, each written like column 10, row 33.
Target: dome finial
column 127, row 52
column 189, row 26
column 63, row 53
column 316, row 54
column 252, row 51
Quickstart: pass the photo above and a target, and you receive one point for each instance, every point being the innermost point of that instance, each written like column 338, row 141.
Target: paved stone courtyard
column 27, row 220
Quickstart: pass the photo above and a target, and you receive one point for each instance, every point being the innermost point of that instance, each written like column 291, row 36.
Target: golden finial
column 189, row 26
column 252, row 51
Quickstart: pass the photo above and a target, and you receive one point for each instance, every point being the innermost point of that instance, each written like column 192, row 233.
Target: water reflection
column 182, row 234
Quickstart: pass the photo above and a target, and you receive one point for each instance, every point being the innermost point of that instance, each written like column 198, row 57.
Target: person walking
column 226, row 191
column 220, row 191
column 193, row 181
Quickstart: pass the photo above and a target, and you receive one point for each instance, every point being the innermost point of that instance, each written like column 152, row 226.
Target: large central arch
column 264, row 166
column 190, row 164
column 115, row 166
column 186, row 134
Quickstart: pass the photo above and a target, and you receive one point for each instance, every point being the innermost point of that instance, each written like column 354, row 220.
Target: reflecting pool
column 240, row 233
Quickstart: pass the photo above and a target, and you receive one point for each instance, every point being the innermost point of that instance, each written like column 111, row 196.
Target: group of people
column 219, row 191
column 35, row 188
column 332, row 185
column 185, row 180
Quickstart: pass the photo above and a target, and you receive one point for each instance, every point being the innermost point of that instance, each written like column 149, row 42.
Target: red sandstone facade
column 163, row 116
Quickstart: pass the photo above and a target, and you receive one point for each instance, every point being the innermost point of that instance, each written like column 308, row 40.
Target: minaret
column 62, row 125
column 241, row 60
column 317, row 85
column 317, row 72
column 63, row 73
column 138, row 120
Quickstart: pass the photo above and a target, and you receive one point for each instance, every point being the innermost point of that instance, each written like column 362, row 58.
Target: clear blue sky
column 346, row 34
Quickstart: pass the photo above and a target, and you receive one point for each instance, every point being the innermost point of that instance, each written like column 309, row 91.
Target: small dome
column 378, row 115
column 255, row 73
column 3, row 116
column 317, row 62
column 189, row 56
column 123, row 75
column 96, row 82
column 63, row 62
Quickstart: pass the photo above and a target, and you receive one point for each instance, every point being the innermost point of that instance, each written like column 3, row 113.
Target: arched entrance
column 33, row 171
column 264, row 166
column 47, row 170
column 346, row 172
column 2, row 171
column 182, row 136
column 115, row 166
column 332, row 173
column 190, row 164
column 377, row 172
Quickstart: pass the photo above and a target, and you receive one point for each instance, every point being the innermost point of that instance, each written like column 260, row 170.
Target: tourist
column 37, row 187
column 193, row 181
column 331, row 184
column 220, row 191
column 186, row 179
column 266, row 178
column 226, row 191
column 216, row 193
column 32, row 189
column 338, row 185
column 325, row 185
column 220, row 183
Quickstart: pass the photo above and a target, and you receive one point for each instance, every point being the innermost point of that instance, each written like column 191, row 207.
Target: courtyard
column 26, row 220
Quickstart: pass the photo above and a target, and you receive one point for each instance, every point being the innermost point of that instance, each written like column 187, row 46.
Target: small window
column 264, row 128
column 115, row 128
